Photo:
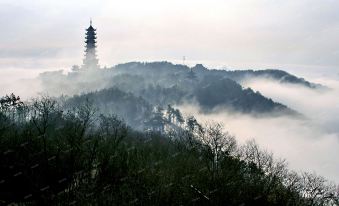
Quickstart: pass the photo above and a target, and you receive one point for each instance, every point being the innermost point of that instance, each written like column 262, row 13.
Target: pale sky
column 300, row 36
column 285, row 34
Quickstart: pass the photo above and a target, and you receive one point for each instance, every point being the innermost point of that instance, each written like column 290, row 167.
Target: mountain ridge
column 159, row 84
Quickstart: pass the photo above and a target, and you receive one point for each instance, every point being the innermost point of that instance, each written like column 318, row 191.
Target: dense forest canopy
column 55, row 153
column 116, row 136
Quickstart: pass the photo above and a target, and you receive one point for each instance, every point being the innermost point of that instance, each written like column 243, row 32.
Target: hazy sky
column 288, row 34
column 301, row 36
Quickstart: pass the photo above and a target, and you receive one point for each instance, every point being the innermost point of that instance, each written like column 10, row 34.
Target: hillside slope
column 160, row 84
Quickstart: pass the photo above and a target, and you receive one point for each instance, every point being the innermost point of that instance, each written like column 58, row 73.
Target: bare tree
column 317, row 191
column 275, row 170
column 41, row 113
column 218, row 143
column 112, row 128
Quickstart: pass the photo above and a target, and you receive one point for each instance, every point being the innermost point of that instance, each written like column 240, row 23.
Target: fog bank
column 309, row 144
column 22, row 82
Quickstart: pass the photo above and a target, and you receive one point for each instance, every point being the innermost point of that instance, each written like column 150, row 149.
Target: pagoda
column 90, row 60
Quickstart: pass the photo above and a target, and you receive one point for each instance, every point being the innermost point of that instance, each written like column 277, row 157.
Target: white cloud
column 309, row 144
column 296, row 35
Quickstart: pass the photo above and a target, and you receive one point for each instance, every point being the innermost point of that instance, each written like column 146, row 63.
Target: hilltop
column 159, row 84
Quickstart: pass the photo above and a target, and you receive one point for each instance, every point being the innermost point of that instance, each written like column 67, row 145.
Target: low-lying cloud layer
column 22, row 82
column 309, row 144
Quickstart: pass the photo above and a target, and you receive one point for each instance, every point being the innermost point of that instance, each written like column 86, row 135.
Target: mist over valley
column 134, row 124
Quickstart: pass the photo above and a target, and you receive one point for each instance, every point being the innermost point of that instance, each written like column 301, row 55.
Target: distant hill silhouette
column 131, row 90
column 199, row 70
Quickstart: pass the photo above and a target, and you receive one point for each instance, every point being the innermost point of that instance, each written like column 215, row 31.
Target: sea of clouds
column 308, row 144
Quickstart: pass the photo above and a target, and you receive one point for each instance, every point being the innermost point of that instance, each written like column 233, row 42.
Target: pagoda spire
column 90, row 61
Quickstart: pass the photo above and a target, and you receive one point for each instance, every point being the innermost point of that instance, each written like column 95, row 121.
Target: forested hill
column 163, row 83
column 200, row 70
column 78, row 150
column 273, row 74
column 54, row 154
